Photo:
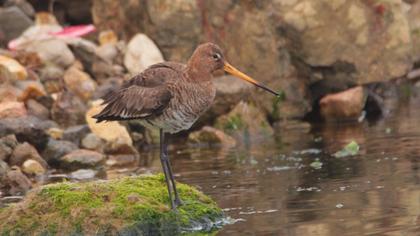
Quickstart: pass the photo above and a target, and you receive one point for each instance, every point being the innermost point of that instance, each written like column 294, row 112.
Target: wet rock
column 120, row 146
column 92, row 142
column 12, row 23
column 346, row 105
column 141, row 53
column 12, row 110
column 211, row 136
column 56, row 149
column 33, row 167
column 23, row 152
column 122, row 160
column 76, row 133
column 81, row 158
column 109, row 131
column 79, row 82
column 37, row 109
column 18, row 183
column 83, row 174
column 68, row 109
column 121, row 153
column 27, row 129
column 7, row 144
column 10, row 69
column 52, row 51
column 245, row 121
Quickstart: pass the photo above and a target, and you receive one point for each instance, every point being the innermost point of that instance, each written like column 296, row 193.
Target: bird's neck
column 198, row 72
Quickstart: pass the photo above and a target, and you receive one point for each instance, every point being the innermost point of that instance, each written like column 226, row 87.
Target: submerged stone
column 127, row 206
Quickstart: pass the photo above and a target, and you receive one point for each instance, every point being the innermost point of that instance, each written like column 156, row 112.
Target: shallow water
column 270, row 187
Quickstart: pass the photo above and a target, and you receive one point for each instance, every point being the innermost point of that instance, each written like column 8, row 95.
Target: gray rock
column 56, row 149
column 27, row 129
column 12, row 23
column 83, row 174
column 52, row 51
column 37, row 109
column 7, row 144
column 4, row 167
column 23, row 152
column 17, row 182
column 23, row 5
column 76, row 133
column 92, row 142
column 68, row 109
column 82, row 158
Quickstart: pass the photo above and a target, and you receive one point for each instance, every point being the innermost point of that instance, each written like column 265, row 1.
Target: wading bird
column 171, row 97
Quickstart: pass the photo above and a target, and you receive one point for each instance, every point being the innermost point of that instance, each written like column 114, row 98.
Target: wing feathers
column 134, row 102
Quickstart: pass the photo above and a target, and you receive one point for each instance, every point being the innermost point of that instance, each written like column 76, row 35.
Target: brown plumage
column 170, row 96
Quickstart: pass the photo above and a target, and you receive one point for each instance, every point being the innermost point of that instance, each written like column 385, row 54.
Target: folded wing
column 135, row 102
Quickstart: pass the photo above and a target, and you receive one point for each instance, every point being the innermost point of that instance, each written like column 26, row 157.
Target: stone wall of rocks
column 287, row 44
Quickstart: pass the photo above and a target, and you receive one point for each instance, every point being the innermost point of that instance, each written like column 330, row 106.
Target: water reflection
column 273, row 188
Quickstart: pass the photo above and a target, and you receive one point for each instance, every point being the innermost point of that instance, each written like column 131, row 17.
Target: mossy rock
column 127, row 206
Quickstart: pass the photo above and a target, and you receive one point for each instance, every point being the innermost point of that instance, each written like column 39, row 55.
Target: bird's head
column 208, row 58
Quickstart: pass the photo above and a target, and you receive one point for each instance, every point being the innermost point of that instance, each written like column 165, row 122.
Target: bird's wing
column 135, row 102
column 154, row 76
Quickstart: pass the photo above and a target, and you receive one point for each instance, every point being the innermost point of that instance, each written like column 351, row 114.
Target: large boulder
column 127, row 206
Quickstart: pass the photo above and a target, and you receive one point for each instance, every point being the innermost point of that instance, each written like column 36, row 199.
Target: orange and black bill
column 232, row 70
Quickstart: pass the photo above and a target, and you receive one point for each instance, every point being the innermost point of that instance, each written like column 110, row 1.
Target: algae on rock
column 127, row 206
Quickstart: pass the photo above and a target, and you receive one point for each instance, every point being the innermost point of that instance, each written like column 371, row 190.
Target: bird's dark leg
column 177, row 199
column 164, row 162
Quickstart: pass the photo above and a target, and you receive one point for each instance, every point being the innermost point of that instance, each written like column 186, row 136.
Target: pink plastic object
column 75, row 31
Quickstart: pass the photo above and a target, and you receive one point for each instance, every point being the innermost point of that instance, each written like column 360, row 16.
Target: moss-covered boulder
column 127, row 206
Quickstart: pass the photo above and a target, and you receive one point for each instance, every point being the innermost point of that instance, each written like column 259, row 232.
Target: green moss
column 135, row 204
column 234, row 123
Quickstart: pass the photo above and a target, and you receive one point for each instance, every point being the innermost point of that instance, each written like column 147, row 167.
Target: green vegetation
column 233, row 123
column 350, row 149
column 276, row 103
column 132, row 205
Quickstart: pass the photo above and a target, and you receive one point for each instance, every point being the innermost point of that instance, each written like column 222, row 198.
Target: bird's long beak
column 232, row 70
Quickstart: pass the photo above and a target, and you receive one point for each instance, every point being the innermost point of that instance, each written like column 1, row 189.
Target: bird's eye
column 217, row 56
